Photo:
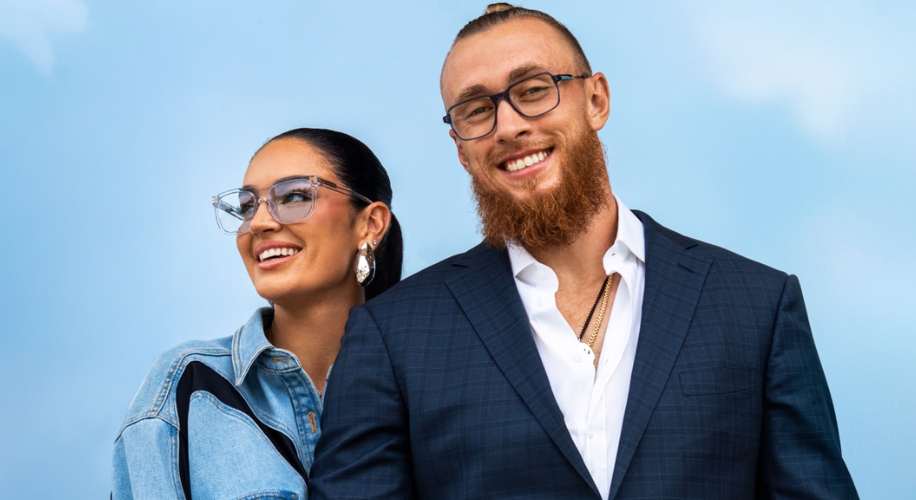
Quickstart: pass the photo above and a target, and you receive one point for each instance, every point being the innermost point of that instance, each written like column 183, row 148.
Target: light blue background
column 786, row 133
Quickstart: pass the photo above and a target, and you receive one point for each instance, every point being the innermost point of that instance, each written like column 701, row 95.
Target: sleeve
column 800, row 443
column 145, row 464
column 364, row 448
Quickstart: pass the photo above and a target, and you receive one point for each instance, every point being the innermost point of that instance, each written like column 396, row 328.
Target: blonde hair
column 499, row 13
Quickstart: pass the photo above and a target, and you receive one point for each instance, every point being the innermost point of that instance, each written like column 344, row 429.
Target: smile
column 527, row 161
column 275, row 253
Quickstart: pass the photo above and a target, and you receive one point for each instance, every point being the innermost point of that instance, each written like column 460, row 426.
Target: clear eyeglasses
column 532, row 97
column 289, row 200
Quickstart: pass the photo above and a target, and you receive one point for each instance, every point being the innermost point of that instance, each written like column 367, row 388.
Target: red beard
column 547, row 219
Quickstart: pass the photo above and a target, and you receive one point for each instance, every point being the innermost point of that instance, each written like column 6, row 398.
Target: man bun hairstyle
column 499, row 13
column 496, row 7
column 359, row 169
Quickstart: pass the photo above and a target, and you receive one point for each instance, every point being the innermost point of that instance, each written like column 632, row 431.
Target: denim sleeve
column 800, row 445
column 145, row 464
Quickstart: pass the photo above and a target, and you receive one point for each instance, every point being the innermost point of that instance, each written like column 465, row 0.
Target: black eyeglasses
column 532, row 97
column 290, row 200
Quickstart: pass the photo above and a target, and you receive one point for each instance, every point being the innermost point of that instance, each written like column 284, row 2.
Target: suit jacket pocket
column 717, row 380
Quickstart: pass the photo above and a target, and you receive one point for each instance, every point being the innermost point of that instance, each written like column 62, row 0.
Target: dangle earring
column 365, row 265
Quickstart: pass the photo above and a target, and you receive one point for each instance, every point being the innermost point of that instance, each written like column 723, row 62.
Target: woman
column 238, row 417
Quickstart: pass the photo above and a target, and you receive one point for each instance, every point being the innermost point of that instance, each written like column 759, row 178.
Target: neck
column 581, row 263
column 312, row 329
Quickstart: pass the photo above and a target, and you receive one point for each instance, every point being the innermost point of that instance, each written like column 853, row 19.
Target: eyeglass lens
column 287, row 201
column 531, row 97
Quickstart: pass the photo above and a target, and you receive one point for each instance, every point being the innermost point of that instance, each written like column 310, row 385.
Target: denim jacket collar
column 249, row 342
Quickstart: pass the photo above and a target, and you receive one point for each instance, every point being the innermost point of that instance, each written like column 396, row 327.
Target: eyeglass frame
column 505, row 95
column 315, row 180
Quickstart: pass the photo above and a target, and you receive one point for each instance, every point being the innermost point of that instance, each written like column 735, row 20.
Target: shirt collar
column 630, row 238
column 630, row 231
column 249, row 342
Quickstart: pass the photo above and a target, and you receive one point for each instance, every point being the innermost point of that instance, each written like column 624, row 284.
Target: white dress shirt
column 592, row 400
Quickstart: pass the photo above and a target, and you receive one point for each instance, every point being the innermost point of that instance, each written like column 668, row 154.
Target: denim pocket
column 717, row 380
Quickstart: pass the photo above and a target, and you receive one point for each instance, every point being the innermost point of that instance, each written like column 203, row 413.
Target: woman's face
column 321, row 249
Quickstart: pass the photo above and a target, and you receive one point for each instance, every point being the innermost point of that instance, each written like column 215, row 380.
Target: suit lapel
column 488, row 296
column 674, row 279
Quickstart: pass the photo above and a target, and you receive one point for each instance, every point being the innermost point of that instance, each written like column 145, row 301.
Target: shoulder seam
column 175, row 372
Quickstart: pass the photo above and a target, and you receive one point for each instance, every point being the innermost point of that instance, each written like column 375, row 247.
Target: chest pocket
column 717, row 380
column 224, row 450
column 229, row 456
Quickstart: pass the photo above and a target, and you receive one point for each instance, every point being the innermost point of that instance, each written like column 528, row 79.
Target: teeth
column 274, row 252
column 514, row 166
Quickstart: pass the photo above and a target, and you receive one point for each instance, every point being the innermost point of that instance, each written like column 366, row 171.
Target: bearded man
column 582, row 350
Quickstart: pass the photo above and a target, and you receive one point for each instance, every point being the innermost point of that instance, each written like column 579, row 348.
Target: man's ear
column 598, row 101
column 462, row 157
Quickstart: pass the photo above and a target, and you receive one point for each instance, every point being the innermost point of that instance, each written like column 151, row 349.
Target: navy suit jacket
column 439, row 392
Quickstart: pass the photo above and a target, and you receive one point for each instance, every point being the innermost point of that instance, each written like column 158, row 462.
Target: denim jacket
column 228, row 418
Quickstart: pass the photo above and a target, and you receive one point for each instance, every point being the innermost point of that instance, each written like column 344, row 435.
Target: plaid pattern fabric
column 439, row 392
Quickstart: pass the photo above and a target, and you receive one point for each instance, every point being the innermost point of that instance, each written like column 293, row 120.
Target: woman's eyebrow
column 250, row 187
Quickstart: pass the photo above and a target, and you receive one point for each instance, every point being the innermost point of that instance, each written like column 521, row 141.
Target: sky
column 784, row 131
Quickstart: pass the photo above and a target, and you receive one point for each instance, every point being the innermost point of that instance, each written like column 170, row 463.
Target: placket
column 305, row 401
column 570, row 365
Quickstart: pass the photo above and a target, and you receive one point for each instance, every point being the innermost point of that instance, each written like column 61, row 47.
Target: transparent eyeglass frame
column 220, row 205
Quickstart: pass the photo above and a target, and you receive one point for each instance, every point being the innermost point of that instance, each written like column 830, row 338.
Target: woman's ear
column 377, row 219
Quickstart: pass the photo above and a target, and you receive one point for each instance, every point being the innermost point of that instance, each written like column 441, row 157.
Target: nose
column 263, row 221
column 510, row 124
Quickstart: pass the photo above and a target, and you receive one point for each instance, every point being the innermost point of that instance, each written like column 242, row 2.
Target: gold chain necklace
column 607, row 293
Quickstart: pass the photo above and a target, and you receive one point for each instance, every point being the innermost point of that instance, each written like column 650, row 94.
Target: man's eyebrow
column 515, row 74
column 473, row 90
column 523, row 71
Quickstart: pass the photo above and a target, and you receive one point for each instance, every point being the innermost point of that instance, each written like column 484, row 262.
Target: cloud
column 829, row 63
column 28, row 23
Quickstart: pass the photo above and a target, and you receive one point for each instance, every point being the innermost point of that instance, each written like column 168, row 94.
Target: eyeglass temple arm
column 558, row 78
column 342, row 190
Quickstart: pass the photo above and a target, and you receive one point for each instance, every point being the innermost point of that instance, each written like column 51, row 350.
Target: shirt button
column 542, row 274
column 591, row 435
column 541, row 301
column 577, row 358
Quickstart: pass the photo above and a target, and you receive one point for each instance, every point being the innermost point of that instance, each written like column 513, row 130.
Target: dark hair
column 359, row 169
column 498, row 13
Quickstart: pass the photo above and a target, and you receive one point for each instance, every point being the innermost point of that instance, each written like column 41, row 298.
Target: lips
column 523, row 162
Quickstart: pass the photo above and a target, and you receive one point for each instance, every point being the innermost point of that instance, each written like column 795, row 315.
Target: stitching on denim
column 301, row 425
column 175, row 371
column 237, row 356
column 173, row 460
column 271, row 494
column 277, row 425
column 245, row 419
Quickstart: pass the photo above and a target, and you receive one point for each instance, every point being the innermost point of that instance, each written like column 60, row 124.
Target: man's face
column 489, row 62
